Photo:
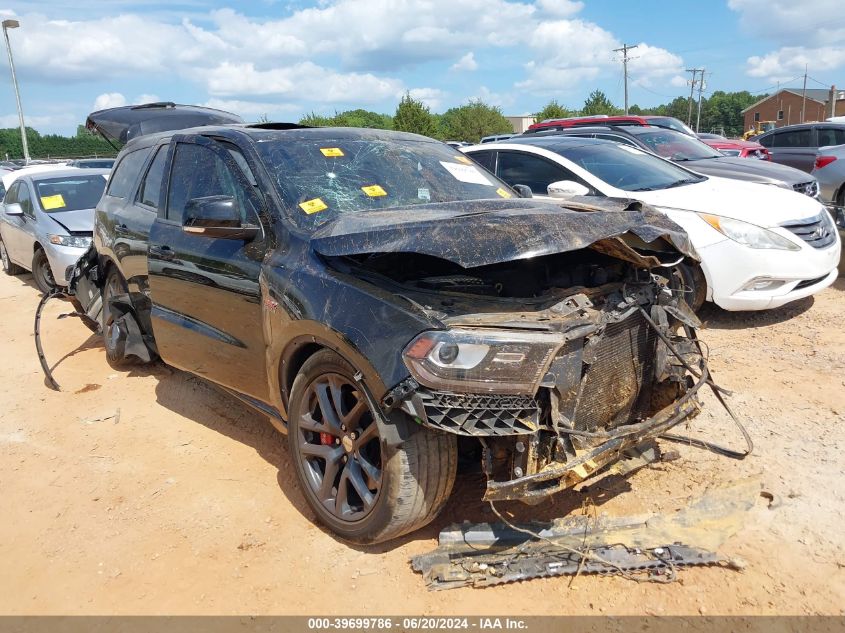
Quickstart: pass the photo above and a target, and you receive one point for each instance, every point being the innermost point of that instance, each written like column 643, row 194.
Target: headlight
column 749, row 234
column 480, row 361
column 70, row 240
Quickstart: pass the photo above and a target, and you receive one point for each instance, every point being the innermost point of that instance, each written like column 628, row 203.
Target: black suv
column 380, row 297
column 695, row 155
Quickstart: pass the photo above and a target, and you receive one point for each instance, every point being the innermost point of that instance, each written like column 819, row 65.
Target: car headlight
column 749, row 234
column 480, row 361
column 70, row 240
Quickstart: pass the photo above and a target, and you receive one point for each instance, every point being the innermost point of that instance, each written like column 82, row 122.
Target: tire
column 41, row 272
column 114, row 285
column 695, row 284
column 8, row 267
column 399, row 488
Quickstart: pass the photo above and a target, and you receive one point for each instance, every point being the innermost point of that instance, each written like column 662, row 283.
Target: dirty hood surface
column 127, row 122
column 78, row 221
column 485, row 232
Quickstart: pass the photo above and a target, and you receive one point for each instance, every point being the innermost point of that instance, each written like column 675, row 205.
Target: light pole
column 13, row 24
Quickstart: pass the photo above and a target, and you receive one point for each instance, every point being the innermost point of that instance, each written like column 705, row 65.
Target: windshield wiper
column 683, row 181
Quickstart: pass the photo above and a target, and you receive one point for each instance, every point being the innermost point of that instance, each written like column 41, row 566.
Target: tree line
column 721, row 112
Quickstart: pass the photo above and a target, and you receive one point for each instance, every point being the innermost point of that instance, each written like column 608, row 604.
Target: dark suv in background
column 796, row 145
column 380, row 297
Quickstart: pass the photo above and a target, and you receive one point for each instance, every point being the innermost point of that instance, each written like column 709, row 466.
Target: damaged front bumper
column 622, row 376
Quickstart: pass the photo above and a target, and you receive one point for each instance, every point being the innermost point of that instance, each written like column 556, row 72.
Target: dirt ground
column 151, row 492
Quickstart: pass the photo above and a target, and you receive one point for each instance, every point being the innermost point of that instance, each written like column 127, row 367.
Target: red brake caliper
column 326, row 439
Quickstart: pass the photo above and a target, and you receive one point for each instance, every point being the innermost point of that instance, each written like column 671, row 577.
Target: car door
column 206, row 312
column 23, row 234
column 12, row 226
column 794, row 148
column 536, row 172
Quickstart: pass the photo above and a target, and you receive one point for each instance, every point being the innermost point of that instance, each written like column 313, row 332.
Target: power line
column 625, row 59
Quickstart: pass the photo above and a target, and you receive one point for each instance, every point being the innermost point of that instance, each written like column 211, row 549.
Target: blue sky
column 285, row 58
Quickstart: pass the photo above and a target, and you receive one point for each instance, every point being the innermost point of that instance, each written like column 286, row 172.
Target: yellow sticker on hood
column 331, row 151
column 504, row 193
column 313, row 206
column 374, row 191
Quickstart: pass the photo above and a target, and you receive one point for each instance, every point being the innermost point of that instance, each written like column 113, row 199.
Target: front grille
column 817, row 231
column 612, row 389
column 810, row 188
column 481, row 415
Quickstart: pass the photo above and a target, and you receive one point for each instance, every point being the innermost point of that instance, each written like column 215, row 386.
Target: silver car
column 47, row 222
column 829, row 170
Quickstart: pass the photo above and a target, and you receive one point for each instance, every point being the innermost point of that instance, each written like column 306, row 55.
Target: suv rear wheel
column 361, row 488
column 112, row 340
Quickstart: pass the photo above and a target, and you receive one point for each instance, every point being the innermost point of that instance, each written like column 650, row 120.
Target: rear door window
column 125, row 174
column 150, row 190
column 794, row 138
column 486, row 159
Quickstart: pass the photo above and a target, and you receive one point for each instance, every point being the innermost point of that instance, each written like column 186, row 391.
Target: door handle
column 121, row 229
column 162, row 252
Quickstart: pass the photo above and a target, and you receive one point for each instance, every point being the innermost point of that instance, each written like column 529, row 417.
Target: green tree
column 598, row 103
column 472, row 121
column 317, row 120
column 722, row 111
column 413, row 116
column 553, row 110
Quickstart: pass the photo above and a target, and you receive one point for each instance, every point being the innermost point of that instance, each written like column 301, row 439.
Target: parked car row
column 391, row 302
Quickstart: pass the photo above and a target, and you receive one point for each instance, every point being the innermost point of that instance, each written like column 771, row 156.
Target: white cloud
column 109, row 100
column 810, row 33
column 145, row 98
column 467, row 63
column 301, row 81
column 431, row 97
column 251, row 109
column 789, row 62
column 38, row 122
column 787, row 22
column 560, row 8
column 650, row 64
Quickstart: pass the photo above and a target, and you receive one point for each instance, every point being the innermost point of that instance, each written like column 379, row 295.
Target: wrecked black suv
column 380, row 298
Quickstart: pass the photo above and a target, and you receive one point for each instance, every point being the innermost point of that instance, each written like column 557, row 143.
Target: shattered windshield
column 70, row 193
column 321, row 179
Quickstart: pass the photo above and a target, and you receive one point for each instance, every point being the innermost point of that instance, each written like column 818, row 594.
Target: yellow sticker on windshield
column 464, row 159
column 504, row 193
column 331, row 151
column 374, row 191
column 52, row 202
column 313, row 206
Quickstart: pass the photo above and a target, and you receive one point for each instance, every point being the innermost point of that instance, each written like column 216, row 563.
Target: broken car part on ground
column 388, row 304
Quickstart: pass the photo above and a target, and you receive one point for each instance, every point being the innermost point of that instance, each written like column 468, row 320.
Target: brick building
column 784, row 107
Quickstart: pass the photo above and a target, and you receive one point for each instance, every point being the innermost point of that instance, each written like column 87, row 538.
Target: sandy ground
column 151, row 492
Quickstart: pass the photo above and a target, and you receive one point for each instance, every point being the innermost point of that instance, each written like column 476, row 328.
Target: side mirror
column 14, row 209
column 217, row 216
column 524, row 191
column 567, row 189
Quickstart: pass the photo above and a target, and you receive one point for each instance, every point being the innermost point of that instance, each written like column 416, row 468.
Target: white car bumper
column 732, row 269
column 61, row 259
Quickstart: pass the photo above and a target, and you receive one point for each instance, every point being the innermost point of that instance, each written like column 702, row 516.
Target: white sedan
column 760, row 246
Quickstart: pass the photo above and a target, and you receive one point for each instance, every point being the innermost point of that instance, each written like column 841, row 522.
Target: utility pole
column 691, row 92
column 625, row 48
column 700, row 90
column 804, row 94
column 13, row 24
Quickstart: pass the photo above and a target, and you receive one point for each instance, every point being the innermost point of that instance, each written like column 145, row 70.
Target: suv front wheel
column 362, row 488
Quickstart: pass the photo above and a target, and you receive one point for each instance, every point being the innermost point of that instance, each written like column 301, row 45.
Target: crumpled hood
column 484, row 232
column 748, row 169
column 762, row 205
column 79, row 221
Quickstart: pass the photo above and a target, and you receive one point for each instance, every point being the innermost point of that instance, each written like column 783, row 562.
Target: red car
column 741, row 149
column 602, row 119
